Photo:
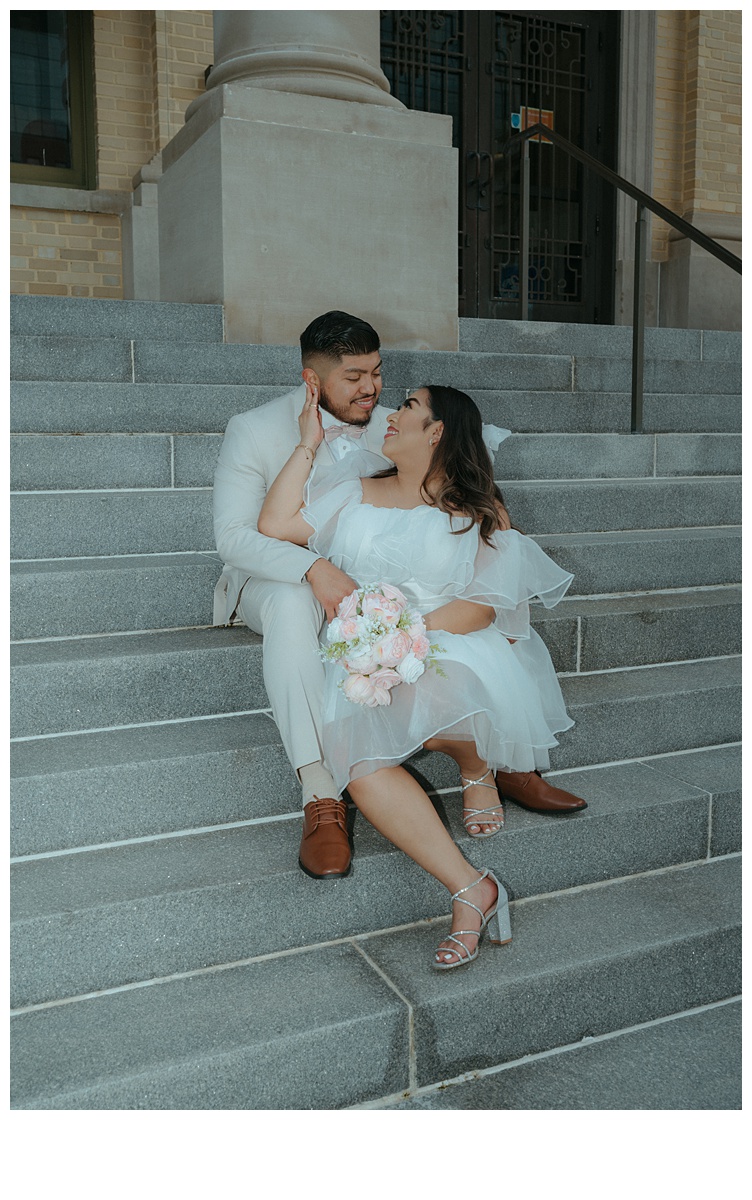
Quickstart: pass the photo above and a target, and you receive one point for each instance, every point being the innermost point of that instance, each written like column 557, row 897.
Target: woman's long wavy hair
column 460, row 477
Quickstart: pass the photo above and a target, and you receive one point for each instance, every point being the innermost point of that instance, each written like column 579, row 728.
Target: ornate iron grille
column 539, row 67
column 423, row 55
column 493, row 72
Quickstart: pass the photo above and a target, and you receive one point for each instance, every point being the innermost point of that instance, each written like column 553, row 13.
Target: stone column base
column 281, row 207
column 698, row 291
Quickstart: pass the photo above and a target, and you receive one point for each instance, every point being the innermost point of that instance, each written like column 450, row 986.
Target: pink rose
column 348, row 629
column 420, row 646
column 392, row 648
column 393, row 593
column 380, row 609
column 418, row 628
column 349, row 606
column 359, row 690
column 385, row 678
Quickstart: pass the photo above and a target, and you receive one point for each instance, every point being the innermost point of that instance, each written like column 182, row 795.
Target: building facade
column 236, row 158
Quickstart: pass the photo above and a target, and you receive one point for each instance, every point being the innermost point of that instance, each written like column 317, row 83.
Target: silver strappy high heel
column 478, row 816
column 495, row 919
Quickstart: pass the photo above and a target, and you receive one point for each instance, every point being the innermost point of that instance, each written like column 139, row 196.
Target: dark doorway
column 494, row 72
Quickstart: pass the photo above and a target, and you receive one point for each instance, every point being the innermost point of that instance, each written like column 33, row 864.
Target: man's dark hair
column 335, row 334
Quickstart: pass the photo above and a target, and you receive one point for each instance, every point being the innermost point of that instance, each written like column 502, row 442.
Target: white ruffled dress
column 505, row 698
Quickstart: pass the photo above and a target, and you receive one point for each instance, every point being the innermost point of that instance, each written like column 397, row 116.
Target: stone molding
column 722, row 227
column 31, row 195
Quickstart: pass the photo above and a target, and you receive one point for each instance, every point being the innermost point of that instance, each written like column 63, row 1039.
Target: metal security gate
column 493, row 73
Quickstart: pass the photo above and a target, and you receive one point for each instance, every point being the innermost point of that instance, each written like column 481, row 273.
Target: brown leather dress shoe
column 530, row 790
column 325, row 846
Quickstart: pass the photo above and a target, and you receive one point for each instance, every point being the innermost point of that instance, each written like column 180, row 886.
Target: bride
column 433, row 525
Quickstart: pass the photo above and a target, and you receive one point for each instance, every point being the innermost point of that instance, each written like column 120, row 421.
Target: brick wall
column 697, row 163
column 148, row 67
column 712, row 166
column 65, row 253
column 183, row 49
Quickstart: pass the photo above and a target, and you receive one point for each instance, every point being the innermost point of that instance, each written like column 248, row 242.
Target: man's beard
column 352, row 414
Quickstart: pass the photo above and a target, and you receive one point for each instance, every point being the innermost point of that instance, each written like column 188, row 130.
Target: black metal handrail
column 521, row 141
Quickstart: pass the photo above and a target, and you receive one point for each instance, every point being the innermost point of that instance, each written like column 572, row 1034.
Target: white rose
column 411, row 668
column 334, row 632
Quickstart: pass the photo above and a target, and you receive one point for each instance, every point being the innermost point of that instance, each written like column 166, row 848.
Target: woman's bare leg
column 397, row 806
column 471, row 766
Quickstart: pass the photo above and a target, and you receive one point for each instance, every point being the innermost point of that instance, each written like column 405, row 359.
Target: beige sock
column 316, row 781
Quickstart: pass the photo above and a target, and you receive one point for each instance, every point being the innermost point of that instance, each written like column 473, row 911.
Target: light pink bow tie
column 350, row 431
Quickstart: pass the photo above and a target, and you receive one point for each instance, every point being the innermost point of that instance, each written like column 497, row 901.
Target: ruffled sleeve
column 508, row 574
column 329, row 492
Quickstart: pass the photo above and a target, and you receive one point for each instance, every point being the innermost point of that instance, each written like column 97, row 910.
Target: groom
column 283, row 591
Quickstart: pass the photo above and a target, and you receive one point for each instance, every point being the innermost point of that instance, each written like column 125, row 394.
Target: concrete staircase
column 167, row 951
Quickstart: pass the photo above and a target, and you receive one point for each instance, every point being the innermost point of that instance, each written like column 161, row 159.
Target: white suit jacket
column 256, row 446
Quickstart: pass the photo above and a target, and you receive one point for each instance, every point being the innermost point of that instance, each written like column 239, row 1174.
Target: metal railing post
column 644, row 201
column 638, row 320
column 525, row 232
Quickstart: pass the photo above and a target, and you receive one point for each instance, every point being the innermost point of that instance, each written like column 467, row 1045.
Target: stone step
column 153, row 779
column 95, row 683
column 79, row 407
column 111, row 916
column 602, row 505
column 689, row 1061
column 647, row 560
column 165, row 362
column 71, row 597
column 613, row 455
column 71, row 524
column 65, row 316
column 629, row 631
column 264, row 1034
column 596, row 341
column 119, row 360
column 46, row 461
column 650, row 710
column 86, row 461
column 74, row 524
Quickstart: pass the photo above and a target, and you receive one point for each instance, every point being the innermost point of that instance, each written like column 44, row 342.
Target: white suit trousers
column 289, row 617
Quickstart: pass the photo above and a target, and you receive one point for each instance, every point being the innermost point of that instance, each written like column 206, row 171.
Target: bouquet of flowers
column 380, row 641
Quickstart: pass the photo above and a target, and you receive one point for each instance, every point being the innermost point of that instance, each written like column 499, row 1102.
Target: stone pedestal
column 299, row 184
column 283, row 205
column 698, row 291
column 140, row 236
